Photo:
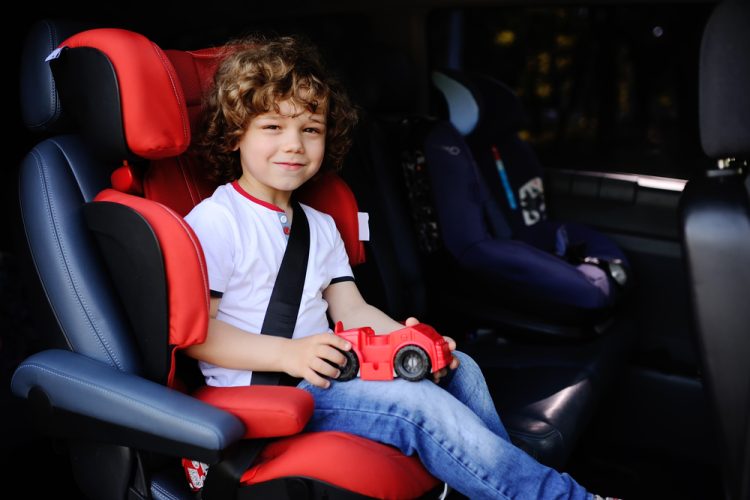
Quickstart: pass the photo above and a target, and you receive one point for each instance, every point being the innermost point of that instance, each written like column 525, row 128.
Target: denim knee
column 468, row 371
column 467, row 364
column 468, row 385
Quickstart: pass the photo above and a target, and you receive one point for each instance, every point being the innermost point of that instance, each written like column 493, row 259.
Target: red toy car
column 409, row 353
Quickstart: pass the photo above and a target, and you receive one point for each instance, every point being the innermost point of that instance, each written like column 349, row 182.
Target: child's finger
column 336, row 341
column 454, row 363
column 439, row 374
column 332, row 355
column 411, row 321
column 324, row 368
column 315, row 379
column 451, row 343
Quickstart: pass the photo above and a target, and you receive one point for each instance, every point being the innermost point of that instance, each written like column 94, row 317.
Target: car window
column 607, row 87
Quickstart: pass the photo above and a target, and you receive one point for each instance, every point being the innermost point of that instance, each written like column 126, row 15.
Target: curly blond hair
column 255, row 75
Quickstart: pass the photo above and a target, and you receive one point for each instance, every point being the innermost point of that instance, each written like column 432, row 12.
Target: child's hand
column 309, row 356
column 453, row 365
column 411, row 321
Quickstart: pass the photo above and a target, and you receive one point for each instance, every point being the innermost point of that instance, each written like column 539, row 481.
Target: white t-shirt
column 244, row 240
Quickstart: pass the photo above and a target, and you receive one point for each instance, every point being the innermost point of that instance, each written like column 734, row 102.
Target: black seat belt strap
column 281, row 315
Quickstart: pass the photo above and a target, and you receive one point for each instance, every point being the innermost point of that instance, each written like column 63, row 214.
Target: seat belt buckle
column 614, row 268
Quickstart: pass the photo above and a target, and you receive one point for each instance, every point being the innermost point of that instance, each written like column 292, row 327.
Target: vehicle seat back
column 123, row 117
column 489, row 198
column 489, row 116
column 716, row 237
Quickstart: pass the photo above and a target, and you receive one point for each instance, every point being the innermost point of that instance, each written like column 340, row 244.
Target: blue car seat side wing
column 64, row 253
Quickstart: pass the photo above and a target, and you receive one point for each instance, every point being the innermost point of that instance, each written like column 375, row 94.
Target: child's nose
column 294, row 143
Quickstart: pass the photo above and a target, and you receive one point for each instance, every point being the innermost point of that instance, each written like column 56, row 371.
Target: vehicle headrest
column 195, row 69
column 461, row 104
column 477, row 102
column 123, row 92
column 724, row 77
column 41, row 110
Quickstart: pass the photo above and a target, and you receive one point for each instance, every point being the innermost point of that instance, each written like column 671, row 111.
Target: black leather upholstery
column 724, row 77
column 40, row 103
column 716, row 237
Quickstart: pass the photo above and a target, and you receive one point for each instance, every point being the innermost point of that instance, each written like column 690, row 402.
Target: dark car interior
column 560, row 187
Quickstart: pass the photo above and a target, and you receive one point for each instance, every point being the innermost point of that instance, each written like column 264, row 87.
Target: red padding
column 266, row 411
column 185, row 267
column 345, row 460
column 178, row 183
column 154, row 114
column 126, row 180
column 195, row 70
column 330, row 194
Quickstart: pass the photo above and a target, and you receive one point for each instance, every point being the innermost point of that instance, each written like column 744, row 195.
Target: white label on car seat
column 196, row 473
column 531, row 196
column 54, row 54
column 363, row 218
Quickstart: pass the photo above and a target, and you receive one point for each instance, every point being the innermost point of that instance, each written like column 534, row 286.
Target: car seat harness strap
column 504, row 178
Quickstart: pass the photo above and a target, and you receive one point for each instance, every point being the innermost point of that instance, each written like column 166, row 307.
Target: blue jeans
column 453, row 427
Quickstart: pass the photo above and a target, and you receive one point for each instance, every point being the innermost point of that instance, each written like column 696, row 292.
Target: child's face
column 280, row 151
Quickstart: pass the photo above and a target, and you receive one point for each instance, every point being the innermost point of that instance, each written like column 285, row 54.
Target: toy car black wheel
column 351, row 368
column 412, row 363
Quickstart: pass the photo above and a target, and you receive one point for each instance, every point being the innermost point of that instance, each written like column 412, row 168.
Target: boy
column 274, row 118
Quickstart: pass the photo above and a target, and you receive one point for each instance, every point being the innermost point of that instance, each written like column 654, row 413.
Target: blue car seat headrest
column 461, row 104
column 41, row 109
column 478, row 102
column 724, row 77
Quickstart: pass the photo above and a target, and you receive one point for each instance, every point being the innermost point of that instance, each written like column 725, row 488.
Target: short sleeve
column 213, row 226
column 338, row 263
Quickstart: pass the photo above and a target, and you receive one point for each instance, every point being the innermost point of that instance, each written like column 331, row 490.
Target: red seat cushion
column 348, row 461
column 266, row 411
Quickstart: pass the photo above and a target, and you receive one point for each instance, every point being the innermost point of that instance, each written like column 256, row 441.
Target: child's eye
column 271, row 127
column 313, row 130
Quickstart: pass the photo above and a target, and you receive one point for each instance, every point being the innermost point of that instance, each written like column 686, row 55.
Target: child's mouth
column 290, row 165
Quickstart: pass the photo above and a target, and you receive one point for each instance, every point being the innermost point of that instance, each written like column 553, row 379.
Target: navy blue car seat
column 545, row 392
column 488, row 189
column 715, row 210
column 124, row 277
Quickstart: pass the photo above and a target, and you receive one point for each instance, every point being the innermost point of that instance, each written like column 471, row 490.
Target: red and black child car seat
column 123, row 274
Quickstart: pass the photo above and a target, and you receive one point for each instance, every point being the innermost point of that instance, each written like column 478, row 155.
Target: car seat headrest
column 41, row 110
column 500, row 109
column 479, row 103
column 724, row 77
column 463, row 109
column 123, row 92
column 195, row 69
